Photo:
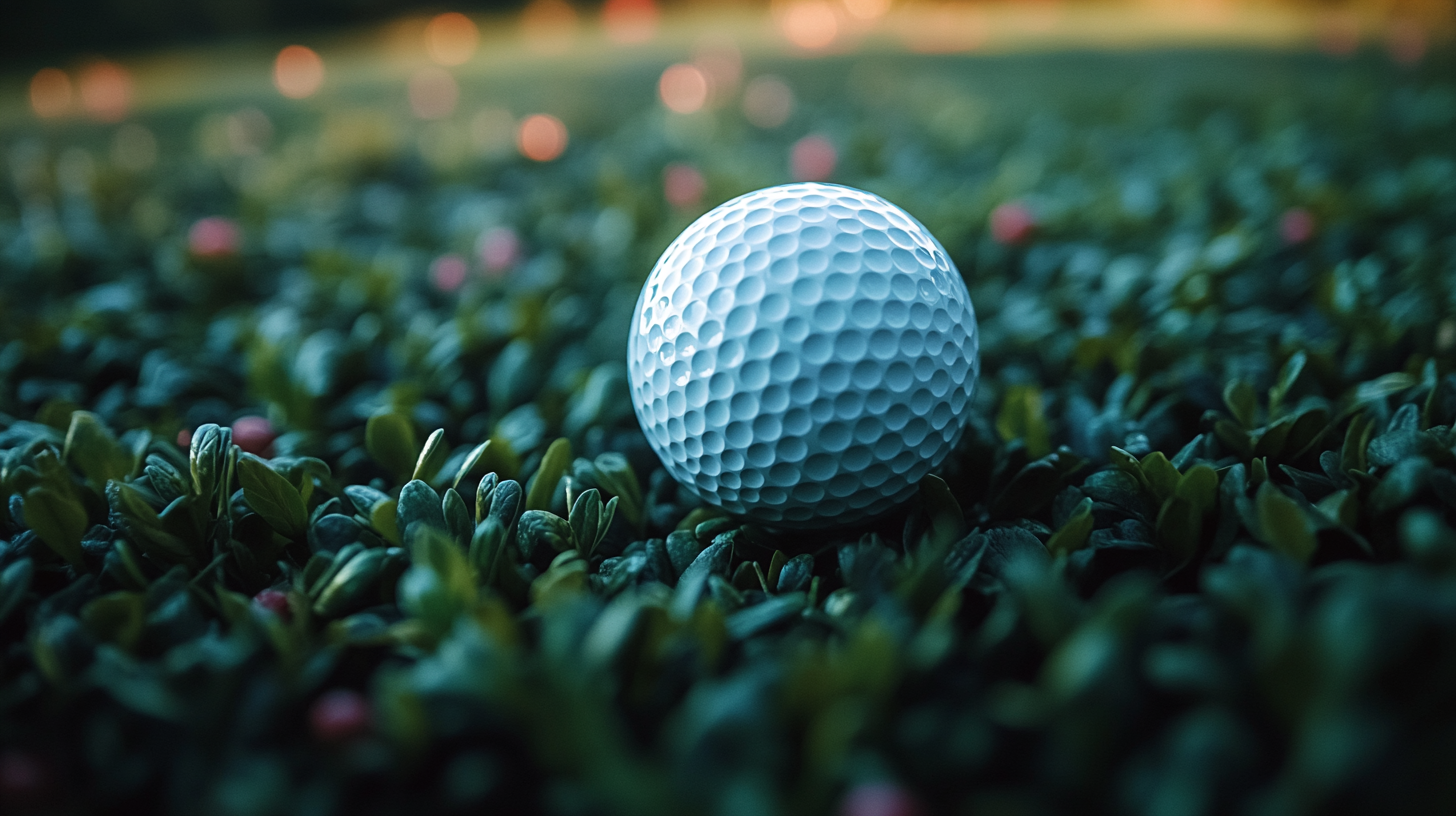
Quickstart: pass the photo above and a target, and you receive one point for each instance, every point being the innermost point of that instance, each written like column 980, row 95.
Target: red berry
column 184, row 438
column 813, row 158
column 214, row 237
column 22, row 776
column 254, row 435
column 1296, row 225
column 1012, row 223
column 339, row 715
column 275, row 602
column 878, row 799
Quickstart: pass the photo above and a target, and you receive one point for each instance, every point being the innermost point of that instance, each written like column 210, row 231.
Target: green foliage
column 390, row 439
column 272, row 497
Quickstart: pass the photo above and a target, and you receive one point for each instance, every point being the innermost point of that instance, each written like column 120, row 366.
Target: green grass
column 1195, row 554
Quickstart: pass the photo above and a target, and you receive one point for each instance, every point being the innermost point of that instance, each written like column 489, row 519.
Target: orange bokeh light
column 50, row 93
column 810, row 24
column 548, row 26
column 946, row 28
column 629, row 22
column 683, row 88
column 541, row 137
column 433, row 93
column 867, row 9
column 1406, row 41
column 298, row 72
column 105, row 91
column 451, row 38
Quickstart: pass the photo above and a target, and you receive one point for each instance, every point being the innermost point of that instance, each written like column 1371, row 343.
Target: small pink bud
column 184, row 439
column 214, row 237
column 339, row 715
column 275, row 602
column 1012, row 223
column 254, row 435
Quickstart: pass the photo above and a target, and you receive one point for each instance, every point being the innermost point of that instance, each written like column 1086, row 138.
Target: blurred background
column 295, row 184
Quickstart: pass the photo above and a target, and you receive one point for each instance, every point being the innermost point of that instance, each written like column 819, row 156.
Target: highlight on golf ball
column 803, row 355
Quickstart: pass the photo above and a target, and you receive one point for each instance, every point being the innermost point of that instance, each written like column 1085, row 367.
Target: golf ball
column 803, row 355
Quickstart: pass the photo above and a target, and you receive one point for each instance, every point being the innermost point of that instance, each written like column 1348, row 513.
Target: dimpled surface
column 803, row 355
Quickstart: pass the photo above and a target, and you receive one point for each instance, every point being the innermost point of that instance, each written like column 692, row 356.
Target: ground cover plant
column 322, row 491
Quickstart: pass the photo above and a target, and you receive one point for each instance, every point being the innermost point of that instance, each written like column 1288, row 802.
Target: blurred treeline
column 49, row 29
column 58, row 29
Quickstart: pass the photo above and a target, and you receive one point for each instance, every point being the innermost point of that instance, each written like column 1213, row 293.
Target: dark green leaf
column 272, row 497
column 391, row 441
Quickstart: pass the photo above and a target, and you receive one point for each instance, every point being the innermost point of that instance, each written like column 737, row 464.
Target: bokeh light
column 499, row 248
column 629, row 22
column 433, row 93
column 447, row 272
column 50, row 93
column 721, row 61
column 549, row 26
column 133, row 148
column 214, row 237
column 249, row 131
column 683, row 186
column 541, row 137
column 298, row 72
column 867, row 9
column 767, row 102
column 493, row 131
column 1012, row 223
column 1296, row 225
column 813, row 158
column 1406, row 41
column 810, row 24
column 945, row 28
column 1338, row 32
column 683, row 88
column 451, row 38
column 106, row 91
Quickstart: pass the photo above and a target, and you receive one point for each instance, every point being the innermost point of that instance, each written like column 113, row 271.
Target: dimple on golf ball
column 803, row 355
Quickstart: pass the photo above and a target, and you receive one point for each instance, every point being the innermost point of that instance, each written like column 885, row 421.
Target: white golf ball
column 803, row 355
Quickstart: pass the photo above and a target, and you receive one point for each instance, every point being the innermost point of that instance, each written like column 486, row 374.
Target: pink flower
column 214, row 237
column 274, row 601
column 254, row 435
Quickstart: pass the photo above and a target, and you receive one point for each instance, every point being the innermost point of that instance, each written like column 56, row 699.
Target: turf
column 296, row 524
